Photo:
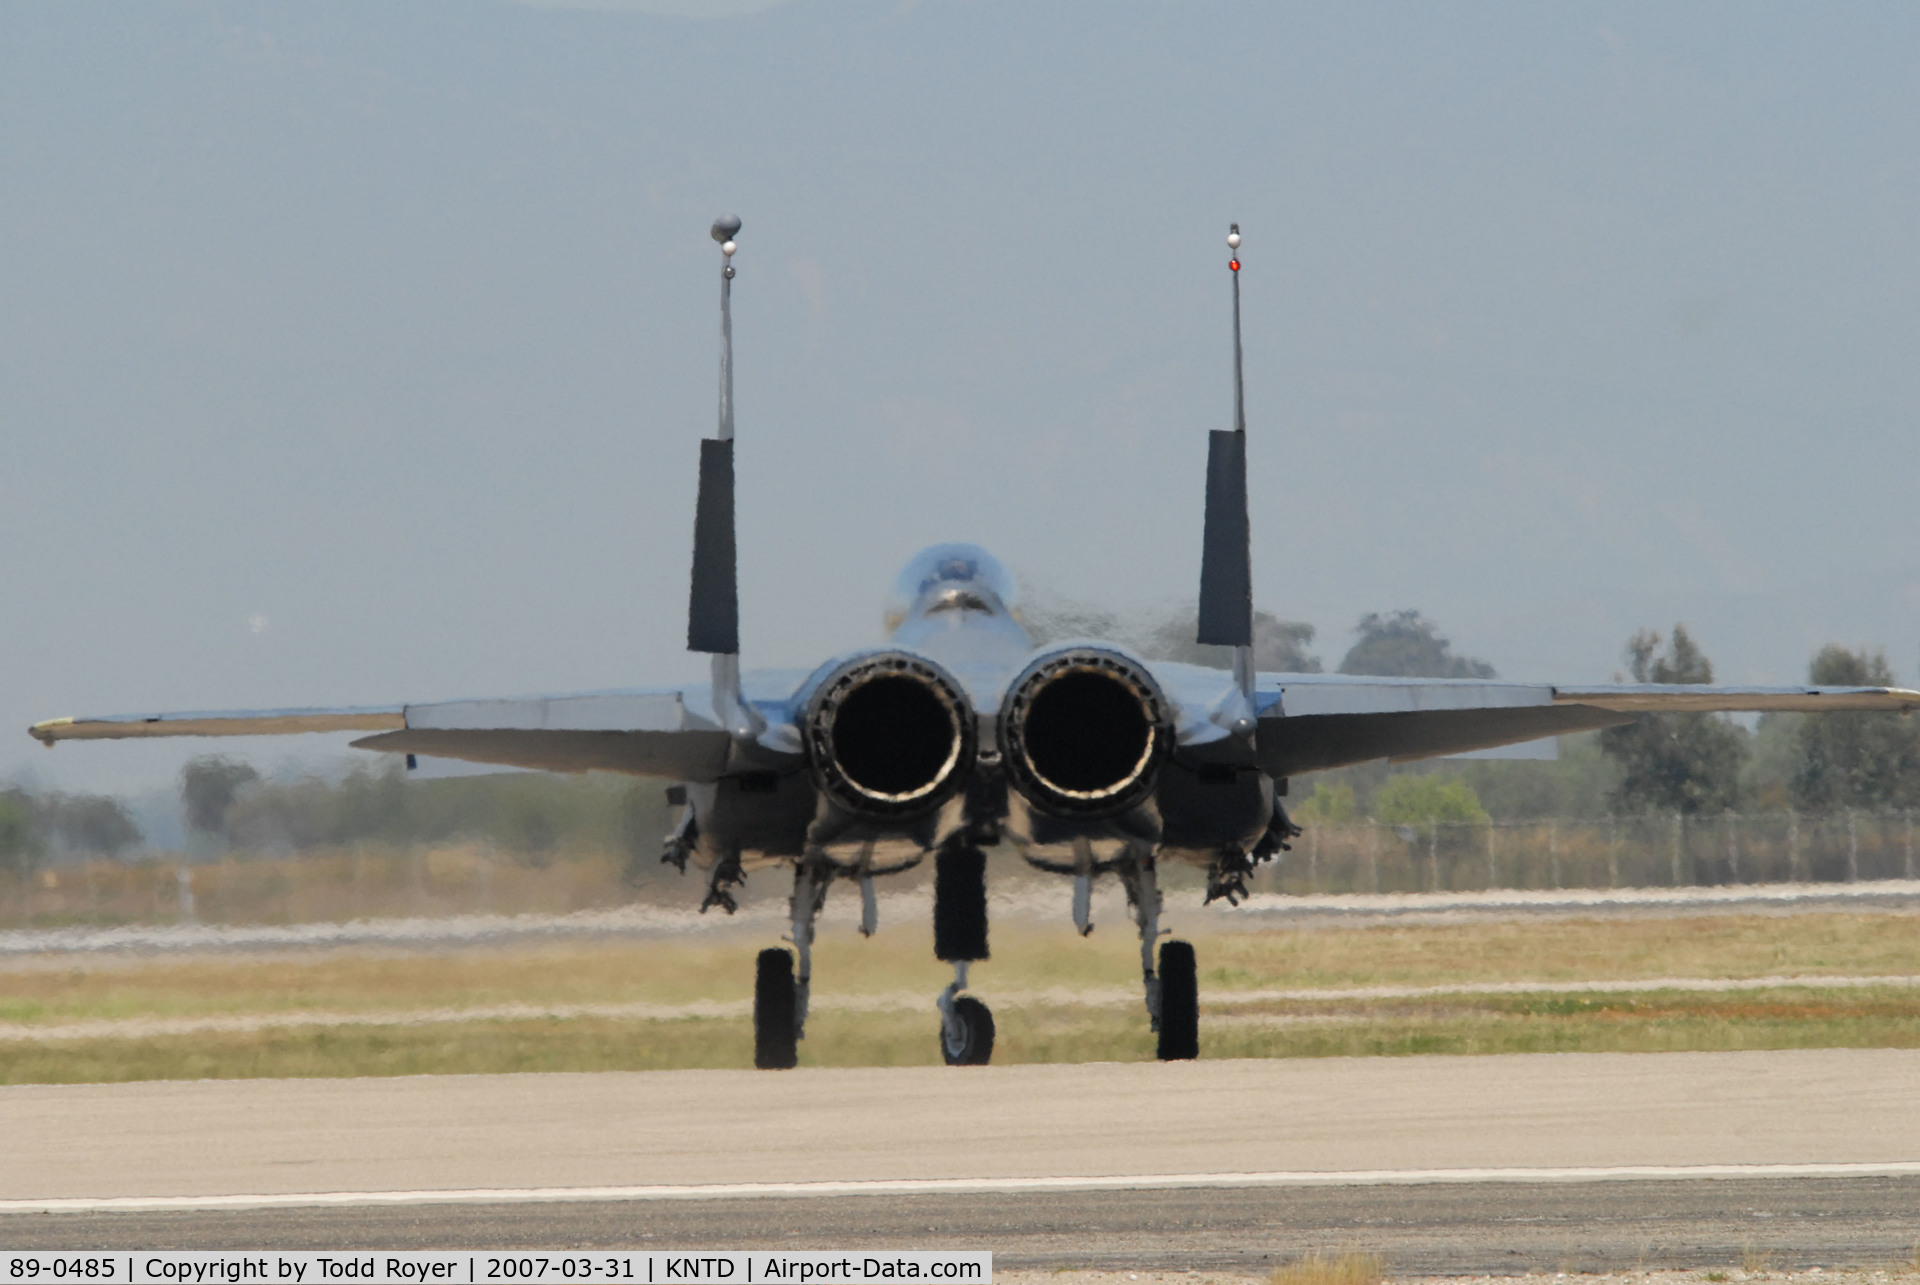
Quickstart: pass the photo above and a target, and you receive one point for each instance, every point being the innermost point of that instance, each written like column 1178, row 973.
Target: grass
column 907, row 1039
column 1331, row 1269
column 1617, row 948
column 1077, row 999
column 1591, row 1024
column 572, row 1044
column 681, row 970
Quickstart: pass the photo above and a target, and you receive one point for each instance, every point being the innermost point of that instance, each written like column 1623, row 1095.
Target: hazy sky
column 356, row 353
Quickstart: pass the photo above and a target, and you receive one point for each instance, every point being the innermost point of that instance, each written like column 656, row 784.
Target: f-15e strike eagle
column 960, row 734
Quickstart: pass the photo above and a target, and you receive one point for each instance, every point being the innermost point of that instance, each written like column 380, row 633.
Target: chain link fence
column 1655, row 851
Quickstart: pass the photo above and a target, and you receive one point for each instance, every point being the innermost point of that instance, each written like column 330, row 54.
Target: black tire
column 976, row 1024
column 960, row 904
column 1179, row 1003
column 774, row 1046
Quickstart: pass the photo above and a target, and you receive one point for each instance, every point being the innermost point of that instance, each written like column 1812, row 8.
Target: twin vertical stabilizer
column 713, row 605
column 1226, row 564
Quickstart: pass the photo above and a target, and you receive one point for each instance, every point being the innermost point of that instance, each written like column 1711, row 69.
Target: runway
column 1440, row 1228
column 1443, row 1164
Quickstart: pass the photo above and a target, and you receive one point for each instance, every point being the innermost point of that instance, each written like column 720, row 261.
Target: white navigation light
column 1233, row 240
column 727, row 248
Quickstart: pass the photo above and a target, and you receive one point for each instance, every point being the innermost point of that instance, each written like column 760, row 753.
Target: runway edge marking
column 958, row 1186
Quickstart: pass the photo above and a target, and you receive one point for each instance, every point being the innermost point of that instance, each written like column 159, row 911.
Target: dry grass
column 1331, row 1269
column 904, row 1038
column 1617, row 947
column 1081, row 997
column 671, row 972
column 679, row 970
column 1657, row 1023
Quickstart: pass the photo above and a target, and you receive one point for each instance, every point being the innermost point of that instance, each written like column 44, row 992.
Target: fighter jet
column 960, row 734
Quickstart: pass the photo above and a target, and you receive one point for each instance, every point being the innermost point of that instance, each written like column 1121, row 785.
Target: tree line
column 34, row 825
column 228, row 807
column 1697, row 763
column 1690, row 764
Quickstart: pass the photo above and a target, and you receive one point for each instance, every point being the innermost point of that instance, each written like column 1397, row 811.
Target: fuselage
column 1078, row 752
column 956, row 604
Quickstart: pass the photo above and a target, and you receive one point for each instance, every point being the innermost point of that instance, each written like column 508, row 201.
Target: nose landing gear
column 960, row 937
column 966, row 1024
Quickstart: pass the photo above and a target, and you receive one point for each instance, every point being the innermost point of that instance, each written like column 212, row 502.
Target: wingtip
column 48, row 732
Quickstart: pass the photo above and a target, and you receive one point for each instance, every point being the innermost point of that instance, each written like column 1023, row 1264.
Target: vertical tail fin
column 1226, row 571
column 713, row 607
column 1226, row 565
column 713, row 603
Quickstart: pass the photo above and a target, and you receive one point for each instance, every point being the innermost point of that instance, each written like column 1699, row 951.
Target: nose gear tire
column 774, row 1045
column 1179, row 1003
column 975, row 1021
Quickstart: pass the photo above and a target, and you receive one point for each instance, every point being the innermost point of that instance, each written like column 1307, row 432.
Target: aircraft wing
column 645, row 733
column 1675, row 698
column 1311, row 722
column 244, row 722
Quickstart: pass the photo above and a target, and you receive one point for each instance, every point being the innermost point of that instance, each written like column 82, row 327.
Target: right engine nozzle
column 1083, row 732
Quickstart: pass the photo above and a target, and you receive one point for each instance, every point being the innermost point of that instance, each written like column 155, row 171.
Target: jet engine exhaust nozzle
column 890, row 734
column 1083, row 732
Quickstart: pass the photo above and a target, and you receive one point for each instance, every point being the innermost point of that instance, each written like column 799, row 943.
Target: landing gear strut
column 779, row 995
column 810, row 880
column 960, row 903
column 960, row 937
column 1172, row 989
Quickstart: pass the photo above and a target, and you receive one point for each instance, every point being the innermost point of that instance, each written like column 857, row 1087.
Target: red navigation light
column 1234, row 264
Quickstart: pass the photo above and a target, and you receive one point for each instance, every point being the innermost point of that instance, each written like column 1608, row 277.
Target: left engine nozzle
column 889, row 734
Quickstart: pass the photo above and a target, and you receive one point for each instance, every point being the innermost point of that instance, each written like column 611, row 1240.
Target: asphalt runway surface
column 1438, row 1229
column 1440, row 1164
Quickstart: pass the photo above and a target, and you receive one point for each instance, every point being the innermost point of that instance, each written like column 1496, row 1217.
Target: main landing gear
column 775, row 1038
column 1172, row 989
column 779, row 993
column 1179, row 1024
